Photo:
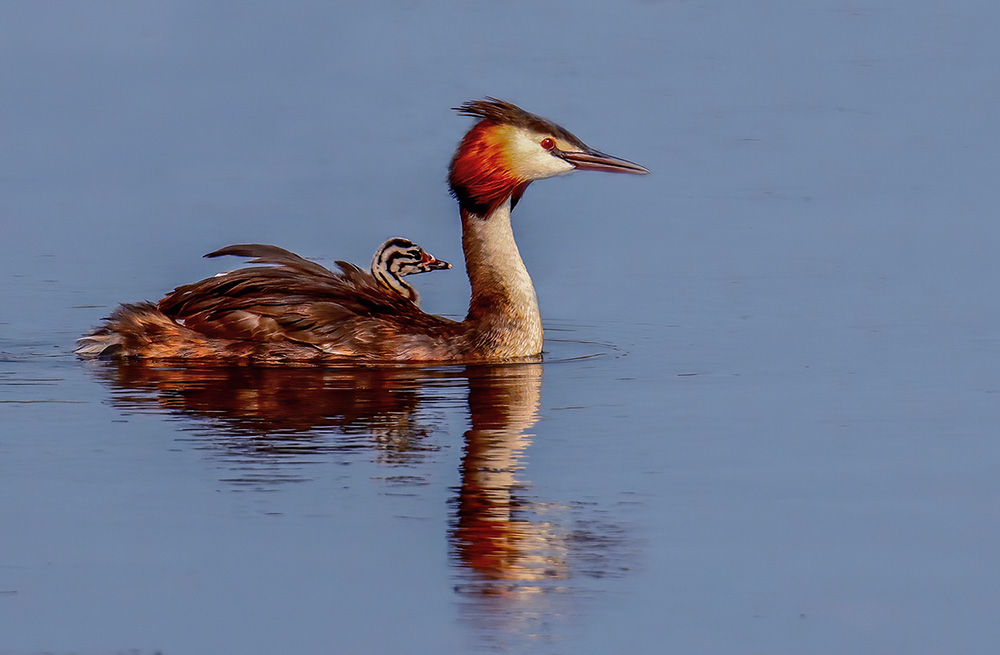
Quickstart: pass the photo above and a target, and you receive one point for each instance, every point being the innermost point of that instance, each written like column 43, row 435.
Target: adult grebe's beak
column 588, row 159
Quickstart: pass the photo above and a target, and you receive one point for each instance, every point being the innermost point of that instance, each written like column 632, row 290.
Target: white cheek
column 553, row 166
column 534, row 162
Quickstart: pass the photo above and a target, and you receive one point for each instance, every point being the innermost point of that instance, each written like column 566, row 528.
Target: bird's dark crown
column 502, row 112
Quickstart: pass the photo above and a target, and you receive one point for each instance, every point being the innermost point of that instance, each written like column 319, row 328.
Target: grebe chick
column 393, row 260
column 399, row 257
column 297, row 311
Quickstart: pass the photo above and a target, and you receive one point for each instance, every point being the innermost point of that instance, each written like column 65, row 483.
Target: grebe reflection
column 514, row 555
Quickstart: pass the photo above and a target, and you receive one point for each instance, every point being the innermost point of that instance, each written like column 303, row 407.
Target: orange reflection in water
column 497, row 535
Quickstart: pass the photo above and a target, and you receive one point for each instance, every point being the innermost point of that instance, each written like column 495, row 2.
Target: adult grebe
column 283, row 313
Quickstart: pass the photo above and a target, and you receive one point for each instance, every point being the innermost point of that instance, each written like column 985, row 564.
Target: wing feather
column 289, row 298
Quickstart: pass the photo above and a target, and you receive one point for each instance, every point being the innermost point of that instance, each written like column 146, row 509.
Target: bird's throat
column 503, row 312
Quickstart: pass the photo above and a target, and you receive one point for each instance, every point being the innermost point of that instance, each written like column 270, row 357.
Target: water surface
column 766, row 418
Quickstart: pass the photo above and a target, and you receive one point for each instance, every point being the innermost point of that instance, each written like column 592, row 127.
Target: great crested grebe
column 290, row 313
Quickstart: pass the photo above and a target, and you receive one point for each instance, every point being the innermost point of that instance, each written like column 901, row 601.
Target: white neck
column 504, row 309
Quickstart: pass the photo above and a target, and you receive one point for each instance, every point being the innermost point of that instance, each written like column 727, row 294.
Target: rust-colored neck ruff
column 481, row 176
column 503, row 314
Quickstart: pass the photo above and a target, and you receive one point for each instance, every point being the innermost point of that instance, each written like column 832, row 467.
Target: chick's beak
column 593, row 160
column 430, row 263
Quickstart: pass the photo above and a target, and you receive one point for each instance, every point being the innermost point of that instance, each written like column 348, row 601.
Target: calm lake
column 767, row 416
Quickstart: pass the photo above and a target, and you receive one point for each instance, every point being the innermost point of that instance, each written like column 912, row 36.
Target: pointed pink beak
column 593, row 160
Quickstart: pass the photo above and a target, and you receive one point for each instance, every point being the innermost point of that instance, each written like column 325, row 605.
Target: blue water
column 766, row 418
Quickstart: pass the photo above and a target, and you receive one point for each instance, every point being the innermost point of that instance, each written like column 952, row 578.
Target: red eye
column 548, row 143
